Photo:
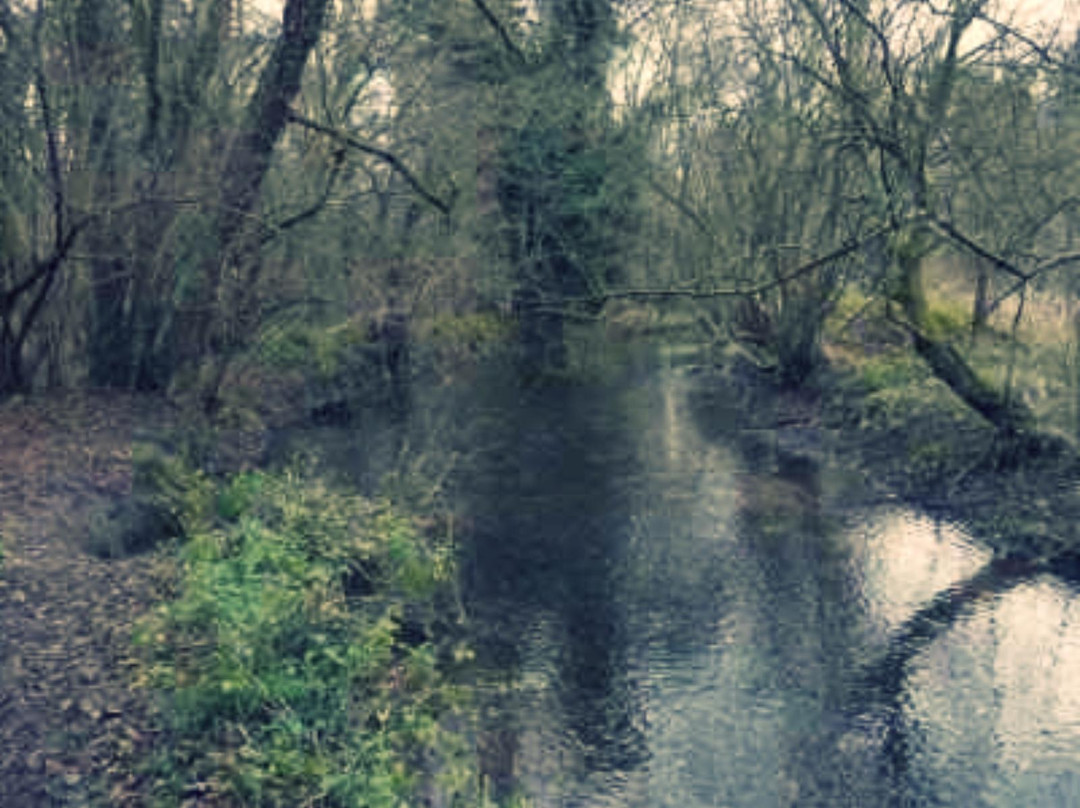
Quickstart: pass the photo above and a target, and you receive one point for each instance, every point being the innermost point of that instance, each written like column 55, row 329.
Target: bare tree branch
column 1048, row 264
column 500, row 29
column 683, row 208
column 389, row 158
column 315, row 207
column 1039, row 50
column 740, row 291
column 949, row 230
column 43, row 267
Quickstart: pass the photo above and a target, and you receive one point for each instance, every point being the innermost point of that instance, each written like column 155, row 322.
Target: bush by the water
column 171, row 497
column 302, row 659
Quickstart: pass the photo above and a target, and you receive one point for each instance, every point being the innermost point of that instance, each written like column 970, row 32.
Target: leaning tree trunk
column 1010, row 416
column 1012, row 419
column 227, row 313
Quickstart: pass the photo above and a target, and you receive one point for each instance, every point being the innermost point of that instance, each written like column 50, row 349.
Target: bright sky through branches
column 1028, row 11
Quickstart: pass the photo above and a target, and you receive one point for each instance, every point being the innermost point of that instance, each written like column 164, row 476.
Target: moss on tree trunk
column 1009, row 416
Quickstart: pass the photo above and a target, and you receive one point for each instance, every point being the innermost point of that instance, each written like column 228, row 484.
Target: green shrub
column 894, row 370
column 930, row 462
column 239, row 495
column 947, row 319
column 322, row 351
column 287, row 348
column 472, row 330
column 174, row 483
column 849, row 304
column 283, row 659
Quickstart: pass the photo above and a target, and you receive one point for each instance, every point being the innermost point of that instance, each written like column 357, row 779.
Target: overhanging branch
column 1046, row 265
column 500, row 29
column 949, row 231
column 737, row 291
column 683, row 208
column 391, row 159
column 1040, row 50
column 314, row 208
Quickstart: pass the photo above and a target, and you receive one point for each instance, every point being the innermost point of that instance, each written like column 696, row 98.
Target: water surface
column 670, row 611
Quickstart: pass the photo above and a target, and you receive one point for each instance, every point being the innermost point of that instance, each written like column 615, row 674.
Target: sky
column 1034, row 17
column 1030, row 11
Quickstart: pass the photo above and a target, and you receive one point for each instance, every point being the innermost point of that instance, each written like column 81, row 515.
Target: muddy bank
column 901, row 434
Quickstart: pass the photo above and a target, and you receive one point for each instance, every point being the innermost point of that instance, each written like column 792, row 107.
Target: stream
column 670, row 611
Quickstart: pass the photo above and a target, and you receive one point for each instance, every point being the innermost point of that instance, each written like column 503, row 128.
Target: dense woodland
column 260, row 218
column 180, row 179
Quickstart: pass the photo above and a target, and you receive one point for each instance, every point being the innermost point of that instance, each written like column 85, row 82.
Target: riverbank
column 883, row 424
column 923, row 445
column 120, row 682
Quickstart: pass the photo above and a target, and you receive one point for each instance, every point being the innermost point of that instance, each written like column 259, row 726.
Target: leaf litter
column 71, row 723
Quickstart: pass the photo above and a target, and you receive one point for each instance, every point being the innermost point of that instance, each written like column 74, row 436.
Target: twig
column 682, row 207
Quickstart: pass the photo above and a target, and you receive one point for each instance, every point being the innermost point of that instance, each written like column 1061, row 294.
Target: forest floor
column 70, row 720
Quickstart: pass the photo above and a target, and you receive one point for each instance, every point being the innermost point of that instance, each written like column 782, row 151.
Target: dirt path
column 69, row 719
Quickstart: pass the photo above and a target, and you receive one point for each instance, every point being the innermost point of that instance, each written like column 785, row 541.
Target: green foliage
column 239, row 495
column 455, row 343
column 850, row 304
column 901, row 398
column 471, row 331
column 336, row 361
column 175, row 483
column 304, row 346
column 930, row 462
column 283, row 661
column 331, row 364
column 894, row 370
column 947, row 319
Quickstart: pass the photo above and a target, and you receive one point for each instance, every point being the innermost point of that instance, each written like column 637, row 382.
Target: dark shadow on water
column 546, row 498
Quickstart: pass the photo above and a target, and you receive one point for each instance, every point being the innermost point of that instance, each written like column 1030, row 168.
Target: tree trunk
column 227, row 313
column 550, row 177
column 1076, row 362
column 11, row 366
column 1009, row 416
column 980, row 310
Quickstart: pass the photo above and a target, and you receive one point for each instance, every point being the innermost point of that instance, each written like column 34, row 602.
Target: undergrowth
column 303, row 659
